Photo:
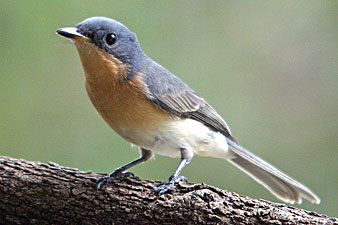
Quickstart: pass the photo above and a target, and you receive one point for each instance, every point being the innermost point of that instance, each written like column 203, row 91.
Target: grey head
column 112, row 37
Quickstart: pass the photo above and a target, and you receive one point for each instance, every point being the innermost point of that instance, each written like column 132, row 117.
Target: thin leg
column 186, row 156
column 145, row 155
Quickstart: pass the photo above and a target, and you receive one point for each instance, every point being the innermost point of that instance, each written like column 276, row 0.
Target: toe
column 108, row 179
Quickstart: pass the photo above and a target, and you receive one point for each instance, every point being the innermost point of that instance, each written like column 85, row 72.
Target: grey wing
column 172, row 95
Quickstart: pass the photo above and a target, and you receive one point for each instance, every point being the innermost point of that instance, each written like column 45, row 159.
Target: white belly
column 191, row 135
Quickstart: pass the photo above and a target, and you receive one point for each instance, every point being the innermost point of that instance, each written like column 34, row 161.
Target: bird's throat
column 98, row 65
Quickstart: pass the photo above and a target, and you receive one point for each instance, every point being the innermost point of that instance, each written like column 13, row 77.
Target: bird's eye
column 111, row 38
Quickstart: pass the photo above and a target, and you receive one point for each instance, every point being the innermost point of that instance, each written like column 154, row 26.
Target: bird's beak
column 71, row 33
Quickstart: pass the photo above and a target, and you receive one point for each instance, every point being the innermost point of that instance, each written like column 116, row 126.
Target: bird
column 153, row 109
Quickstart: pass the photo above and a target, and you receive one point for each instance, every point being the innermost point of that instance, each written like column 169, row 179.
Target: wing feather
column 172, row 95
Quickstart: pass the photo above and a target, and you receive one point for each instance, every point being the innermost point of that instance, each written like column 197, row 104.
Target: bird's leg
column 145, row 155
column 186, row 156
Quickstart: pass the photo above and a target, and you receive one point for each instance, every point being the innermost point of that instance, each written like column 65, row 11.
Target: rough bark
column 38, row 193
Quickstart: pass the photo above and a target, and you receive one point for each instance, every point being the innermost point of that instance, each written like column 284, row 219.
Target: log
column 39, row 193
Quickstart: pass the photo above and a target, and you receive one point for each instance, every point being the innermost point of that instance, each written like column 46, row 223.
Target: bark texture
column 38, row 193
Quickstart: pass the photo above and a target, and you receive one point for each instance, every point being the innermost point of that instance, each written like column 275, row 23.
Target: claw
column 169, row 185
column 108, row 179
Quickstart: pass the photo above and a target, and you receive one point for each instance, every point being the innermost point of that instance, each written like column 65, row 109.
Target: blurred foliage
column 268, row 67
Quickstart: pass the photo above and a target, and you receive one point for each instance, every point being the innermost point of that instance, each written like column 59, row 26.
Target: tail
column 278, row 183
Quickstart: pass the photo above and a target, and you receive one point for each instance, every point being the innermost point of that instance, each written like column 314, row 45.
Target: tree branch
column 38, row 193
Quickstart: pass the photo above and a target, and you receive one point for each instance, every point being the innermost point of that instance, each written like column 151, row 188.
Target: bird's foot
column 108, row 179
column 173, row 180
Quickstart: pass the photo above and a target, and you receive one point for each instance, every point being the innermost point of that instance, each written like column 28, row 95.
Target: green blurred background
column 268, row 67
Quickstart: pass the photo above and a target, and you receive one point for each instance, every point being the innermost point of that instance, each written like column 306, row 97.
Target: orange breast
column 125, row 108
column 121, row 103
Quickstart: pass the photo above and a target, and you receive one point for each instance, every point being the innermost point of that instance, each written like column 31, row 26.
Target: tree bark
column 38, row 193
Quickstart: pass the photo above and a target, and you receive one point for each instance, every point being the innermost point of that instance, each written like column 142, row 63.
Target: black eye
column 111, row 38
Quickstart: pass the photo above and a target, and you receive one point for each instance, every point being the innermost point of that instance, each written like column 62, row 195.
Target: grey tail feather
column 277, row 182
